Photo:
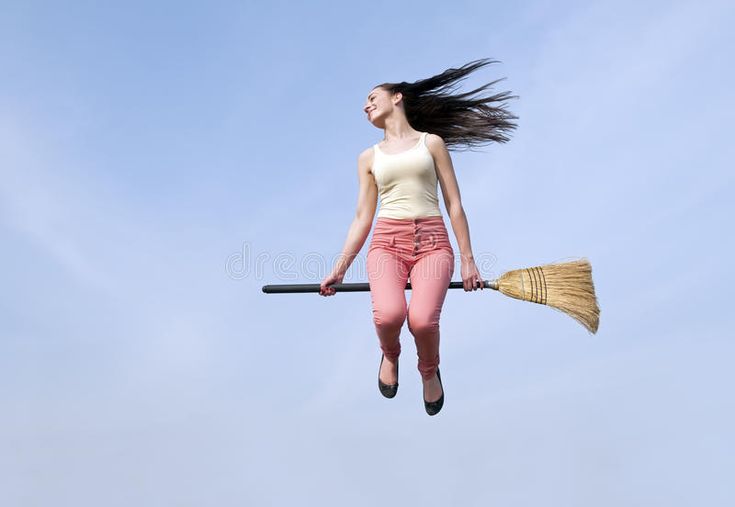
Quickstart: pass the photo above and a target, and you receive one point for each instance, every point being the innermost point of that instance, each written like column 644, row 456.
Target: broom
column 565, row 286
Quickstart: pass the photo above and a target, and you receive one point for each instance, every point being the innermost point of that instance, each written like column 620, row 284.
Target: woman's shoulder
column 365, row 159
column 367, row 154
column 435, row 144
column 434, row 139
column 368, row 151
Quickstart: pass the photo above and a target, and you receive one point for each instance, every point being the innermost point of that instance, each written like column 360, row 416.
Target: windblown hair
column 461, row 119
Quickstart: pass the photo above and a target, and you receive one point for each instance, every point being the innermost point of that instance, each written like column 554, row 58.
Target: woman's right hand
column 330, row 279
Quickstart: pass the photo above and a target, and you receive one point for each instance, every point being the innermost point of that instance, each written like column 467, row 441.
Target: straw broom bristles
column 564, row 286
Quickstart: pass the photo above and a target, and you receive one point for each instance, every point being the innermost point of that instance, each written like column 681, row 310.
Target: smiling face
column 379, row 105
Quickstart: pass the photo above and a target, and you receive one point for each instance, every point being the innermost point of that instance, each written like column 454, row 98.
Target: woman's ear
column 397, row 97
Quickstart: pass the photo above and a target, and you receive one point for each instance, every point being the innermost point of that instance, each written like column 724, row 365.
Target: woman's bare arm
column 471, row 276
column 450, row 192
column 367, row 201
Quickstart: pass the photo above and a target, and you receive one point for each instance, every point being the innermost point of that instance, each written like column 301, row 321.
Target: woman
column 420, row 121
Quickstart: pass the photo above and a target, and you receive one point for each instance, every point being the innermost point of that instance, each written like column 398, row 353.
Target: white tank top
column 406, row 182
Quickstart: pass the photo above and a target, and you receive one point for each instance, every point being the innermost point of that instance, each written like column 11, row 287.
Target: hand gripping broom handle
column 351, row 287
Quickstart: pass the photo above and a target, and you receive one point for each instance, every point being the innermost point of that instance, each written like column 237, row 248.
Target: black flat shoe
column 433, row 407
column 387, row 390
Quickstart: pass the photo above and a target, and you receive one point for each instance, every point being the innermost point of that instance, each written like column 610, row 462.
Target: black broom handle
column 350, row 287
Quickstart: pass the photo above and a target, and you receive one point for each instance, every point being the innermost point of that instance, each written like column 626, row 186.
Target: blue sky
column 161, row 162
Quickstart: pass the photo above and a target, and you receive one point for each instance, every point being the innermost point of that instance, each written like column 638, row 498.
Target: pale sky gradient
column 161, row 162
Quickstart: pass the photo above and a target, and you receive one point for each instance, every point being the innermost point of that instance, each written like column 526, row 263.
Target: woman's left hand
column 471, row 278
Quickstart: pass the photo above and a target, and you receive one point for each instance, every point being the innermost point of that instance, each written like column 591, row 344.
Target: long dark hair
column 461, row 120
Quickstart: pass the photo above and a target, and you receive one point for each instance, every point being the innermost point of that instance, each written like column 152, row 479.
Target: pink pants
column 418, row 248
